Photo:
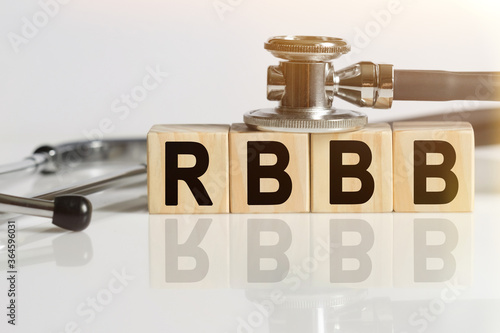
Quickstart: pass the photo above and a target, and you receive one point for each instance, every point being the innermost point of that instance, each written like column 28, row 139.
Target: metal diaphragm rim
column 327, row 121
column 307, row 48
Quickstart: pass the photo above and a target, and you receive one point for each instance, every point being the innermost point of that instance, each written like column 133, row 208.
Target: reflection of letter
column 423, row 251
column 191, row 249
column 358, row 252
column 256, row 251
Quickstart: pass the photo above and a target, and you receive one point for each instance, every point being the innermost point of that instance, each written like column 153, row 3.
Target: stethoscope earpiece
column 72, row 212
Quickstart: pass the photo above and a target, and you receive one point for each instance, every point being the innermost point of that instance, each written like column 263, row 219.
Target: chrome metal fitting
column 365, row 84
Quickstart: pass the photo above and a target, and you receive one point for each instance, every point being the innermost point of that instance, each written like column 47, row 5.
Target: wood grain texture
column 461, row 137
column 215, row 180
column 298, row 170
column 378, row 137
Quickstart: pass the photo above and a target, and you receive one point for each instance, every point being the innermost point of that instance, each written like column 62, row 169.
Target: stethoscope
column 67, row 206
column 305, row 84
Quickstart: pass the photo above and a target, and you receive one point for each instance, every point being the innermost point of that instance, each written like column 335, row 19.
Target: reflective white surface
column 257, row 273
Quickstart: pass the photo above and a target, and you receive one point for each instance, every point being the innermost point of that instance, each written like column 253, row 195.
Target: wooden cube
column 269, row 171
column 352, row 172
column 188, row 170
column 433, row 167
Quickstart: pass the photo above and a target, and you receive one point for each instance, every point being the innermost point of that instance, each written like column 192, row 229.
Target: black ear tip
column 72, row 212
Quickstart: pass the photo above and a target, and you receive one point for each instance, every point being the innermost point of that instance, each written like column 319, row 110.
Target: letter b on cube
column 188, row 169
column 352, row 172
column 269, row 171
column 433, row 167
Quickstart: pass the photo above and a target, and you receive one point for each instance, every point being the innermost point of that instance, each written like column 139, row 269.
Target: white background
column 62, row 82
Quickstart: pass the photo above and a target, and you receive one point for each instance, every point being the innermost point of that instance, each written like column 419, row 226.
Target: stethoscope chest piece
column 305, row 83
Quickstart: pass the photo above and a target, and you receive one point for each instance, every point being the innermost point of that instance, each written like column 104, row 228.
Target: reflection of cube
column 352, row 250
column 269, row 171
column 433, row 166
column 189, row 251
column 188, row 169
column 269, row 251
column 352, row 172
column 433, row 249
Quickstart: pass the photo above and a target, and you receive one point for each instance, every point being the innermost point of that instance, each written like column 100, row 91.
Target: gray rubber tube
column 416, row 85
